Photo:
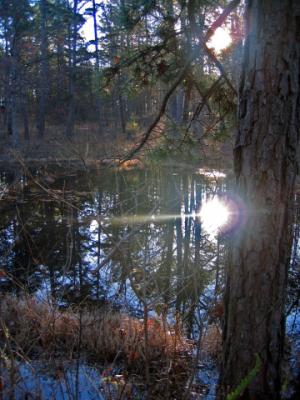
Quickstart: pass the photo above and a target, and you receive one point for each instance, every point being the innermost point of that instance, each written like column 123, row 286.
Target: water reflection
column 214, row 215
column 116, row 237
column 126, row 239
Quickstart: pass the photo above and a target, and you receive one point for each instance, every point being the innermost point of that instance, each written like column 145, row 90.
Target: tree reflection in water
column 141, row 241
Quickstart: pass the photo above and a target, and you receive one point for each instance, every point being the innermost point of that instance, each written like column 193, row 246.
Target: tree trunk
column 72, row 73
column 98, row 101
column 179, row 250
column 265, row 168
column 121, row 107
column 15, row 100
column 25, row 119
column 7, row 88
column 43, row 85
column 187, row 101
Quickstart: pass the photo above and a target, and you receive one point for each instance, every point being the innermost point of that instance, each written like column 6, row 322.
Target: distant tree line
column 51, row 75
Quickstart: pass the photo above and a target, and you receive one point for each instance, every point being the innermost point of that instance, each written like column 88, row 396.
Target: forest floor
column 91, row 150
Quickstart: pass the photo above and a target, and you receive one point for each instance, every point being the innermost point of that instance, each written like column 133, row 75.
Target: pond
column 137, row 241
column 109, row 236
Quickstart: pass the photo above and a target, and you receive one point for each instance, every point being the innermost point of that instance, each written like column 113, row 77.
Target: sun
column 220, row 40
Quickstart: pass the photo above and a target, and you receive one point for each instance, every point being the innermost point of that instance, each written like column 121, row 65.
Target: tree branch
column 218, row 22
column 160, row 114
column 204, row 101
column 221, row 19
column 199, row 90
column 220, row 67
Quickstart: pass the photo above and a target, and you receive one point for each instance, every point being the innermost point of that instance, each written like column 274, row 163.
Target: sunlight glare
column 220, row 40
column 214, row 215
column 94, row 225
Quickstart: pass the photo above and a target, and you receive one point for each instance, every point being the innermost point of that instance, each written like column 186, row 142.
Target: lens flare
column 214, row 215
column 221, row 214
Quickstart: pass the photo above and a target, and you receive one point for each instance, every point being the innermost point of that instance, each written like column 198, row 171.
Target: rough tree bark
column 265, row 168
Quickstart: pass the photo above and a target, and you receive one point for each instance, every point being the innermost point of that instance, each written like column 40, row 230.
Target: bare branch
column 204, row 101
column 218, row 22
column 199, row 90
column 159, row 115
column 220, row 67
column 221, row 19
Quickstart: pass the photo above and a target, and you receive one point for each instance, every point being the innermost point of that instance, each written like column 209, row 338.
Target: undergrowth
column 155, row 352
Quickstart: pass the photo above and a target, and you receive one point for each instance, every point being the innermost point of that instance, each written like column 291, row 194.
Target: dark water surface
column 127, row 239
column 118, row 237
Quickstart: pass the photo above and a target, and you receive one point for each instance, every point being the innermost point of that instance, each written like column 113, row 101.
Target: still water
column 127, row 239
column 120, row 237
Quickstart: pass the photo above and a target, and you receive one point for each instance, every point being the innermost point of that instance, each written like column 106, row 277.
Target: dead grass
column 103, row 332
column 211, row 342
column 34, row 329
column 86, row 147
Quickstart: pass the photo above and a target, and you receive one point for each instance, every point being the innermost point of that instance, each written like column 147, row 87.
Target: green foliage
column 235, row 394
column 182, row 148
column 140, row 48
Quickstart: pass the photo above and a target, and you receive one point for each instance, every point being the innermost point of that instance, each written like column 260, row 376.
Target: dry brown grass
column 103, row 332
column 132, row 164
column 211, row 342
column 120, row 333
column 35, row 327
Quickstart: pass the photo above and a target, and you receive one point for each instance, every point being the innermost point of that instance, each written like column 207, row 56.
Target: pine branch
column 218, row 22
column 159, row 115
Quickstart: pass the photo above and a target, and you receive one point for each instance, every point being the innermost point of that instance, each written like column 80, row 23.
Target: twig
column 117, row 246
column 48, row 191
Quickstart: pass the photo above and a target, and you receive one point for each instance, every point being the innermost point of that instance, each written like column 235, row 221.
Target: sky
column 219, row 41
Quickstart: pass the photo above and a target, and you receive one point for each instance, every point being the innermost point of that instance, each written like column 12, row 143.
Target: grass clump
column 33, row 330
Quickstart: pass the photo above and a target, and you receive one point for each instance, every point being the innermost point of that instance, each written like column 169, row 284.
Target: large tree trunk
column 265, row 167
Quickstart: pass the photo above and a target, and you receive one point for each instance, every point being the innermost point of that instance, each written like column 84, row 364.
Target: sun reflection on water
column 214, row 215
column 218, row 215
